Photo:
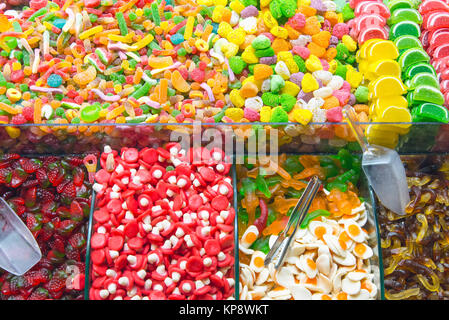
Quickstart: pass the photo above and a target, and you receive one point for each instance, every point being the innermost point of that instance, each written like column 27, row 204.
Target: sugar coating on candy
column 150, row 62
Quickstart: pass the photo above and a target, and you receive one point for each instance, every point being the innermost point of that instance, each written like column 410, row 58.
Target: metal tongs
column 280, row 248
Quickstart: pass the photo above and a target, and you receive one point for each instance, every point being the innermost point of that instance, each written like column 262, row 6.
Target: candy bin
column 163, row 225
column 52, row 195
column 414, row 246
column 335, row 253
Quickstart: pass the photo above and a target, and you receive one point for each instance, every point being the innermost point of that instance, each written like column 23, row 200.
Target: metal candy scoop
column 280, row 248
column 19, row 251
column 383, row 168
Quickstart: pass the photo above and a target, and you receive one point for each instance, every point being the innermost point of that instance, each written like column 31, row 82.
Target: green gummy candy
column 275, row 9
column 276, row 83
column 279, row 115
column 407, row 42
column 405, row 14
column 430, row 112
column 361, row 94
column 287, row 102
column 424, row 93
column 270, row 99
column 267, row 52
column 412, row 56
column 405, row 28
column 347, row 13
column 423, row 78
column 412, row 70
column 261, row 42
column 237, row 64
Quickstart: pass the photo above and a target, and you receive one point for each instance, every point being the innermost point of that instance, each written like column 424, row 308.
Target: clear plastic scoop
column 383, row 168
column 19, row 251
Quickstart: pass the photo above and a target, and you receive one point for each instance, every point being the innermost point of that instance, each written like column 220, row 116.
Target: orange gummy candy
column 85, row 77
column 322, row 38
column 276, row 227
column 307, row 10
column 330, row 102
column 307, row 173
column 250, row 202
column 282, row 205
column 295, row 184
column 279, row 45
column 249, row 90
column 178, row 82
column 262, row 71
column 316, row 49
column 312, row 26
column 308, row 161
column 160, row 62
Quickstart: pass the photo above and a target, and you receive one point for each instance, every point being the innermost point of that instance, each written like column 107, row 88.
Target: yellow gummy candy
column 313, row 63
column 279, row 32
column 285, row 56
column 309, row 83
column 236, row 114
column 236, row 98
column 349, row 42
column 303, row 116
column 142, row 43
column 292, row 66
column 90, row 32
column 269, row 20
column 236, row 6
column 237, row 36
column 265, row 114
column 230, row 49
column 249, row 55
column 224, row 29
column 13, row 132
column 290, row 88
column 354, row 78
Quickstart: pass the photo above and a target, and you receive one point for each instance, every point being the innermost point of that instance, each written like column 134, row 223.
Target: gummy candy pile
column 52, row 196
column 108, row 61
column 330, row 258
column 71, row 62
column 414, row 246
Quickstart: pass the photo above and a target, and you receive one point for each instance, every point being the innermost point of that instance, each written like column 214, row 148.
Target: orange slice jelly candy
column 178, row 82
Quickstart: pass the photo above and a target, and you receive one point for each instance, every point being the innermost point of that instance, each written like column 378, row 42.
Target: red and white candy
column 164, row 225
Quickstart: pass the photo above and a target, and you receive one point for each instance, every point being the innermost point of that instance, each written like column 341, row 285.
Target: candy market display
column 52, row 196
column 69, row 64
column 331, row 258
column 123, row 79
column 434, row 39
column 414, row 247
column 113, row 61
column 164, row 225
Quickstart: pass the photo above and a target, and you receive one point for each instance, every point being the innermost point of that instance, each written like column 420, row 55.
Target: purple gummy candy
column 333, row 40
column 320, row 83
column 352, row 100
column 305, row 96
column 296, row 78
column 268, row 60
column 250, row 11
column 318, row 5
